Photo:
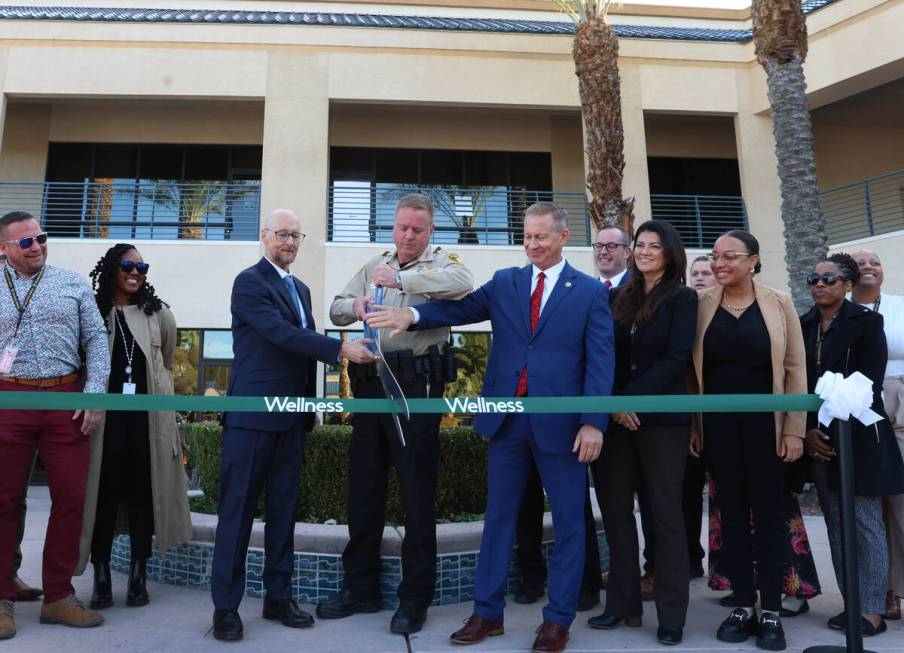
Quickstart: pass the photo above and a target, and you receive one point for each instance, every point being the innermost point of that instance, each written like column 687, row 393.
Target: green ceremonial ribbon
column 639, row 404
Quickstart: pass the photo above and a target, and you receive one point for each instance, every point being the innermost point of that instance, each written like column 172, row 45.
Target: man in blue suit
column 276, row 352
column 552, row 336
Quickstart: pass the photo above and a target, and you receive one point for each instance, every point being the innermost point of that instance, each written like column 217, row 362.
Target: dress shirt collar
column 282, row 273
column 616, row 279
column 552, row 274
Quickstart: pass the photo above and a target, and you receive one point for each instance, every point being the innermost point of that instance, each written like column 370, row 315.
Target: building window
column 203, row 361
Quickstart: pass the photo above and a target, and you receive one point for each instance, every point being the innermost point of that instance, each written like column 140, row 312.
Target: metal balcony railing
column 864, row 208
column 492, row 215
column 700, row 219
column 130, row 209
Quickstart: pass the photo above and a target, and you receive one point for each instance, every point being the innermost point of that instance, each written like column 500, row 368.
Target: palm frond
column 586, row 10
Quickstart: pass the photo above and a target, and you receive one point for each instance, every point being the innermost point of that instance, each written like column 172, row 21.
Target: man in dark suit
column 276, row 352
column 552, row 333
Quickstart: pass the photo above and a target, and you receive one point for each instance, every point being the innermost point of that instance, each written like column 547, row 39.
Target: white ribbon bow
column 844, row 398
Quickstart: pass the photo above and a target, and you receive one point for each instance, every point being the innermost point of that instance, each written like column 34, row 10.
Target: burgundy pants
column 65, row 453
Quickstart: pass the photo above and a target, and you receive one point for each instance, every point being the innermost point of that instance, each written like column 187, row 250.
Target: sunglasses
column 829, row 278
column 26, row 243
column 128, row 266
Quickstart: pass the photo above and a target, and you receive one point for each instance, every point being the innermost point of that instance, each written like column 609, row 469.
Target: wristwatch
column 398, row 280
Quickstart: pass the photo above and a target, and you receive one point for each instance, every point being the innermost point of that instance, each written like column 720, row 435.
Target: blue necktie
column 293, row 293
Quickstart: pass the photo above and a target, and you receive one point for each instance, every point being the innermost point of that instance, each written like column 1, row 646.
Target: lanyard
column 129, row 351
column 21, row 305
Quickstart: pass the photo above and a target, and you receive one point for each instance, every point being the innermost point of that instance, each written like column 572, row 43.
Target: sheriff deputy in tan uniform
column 422, row 362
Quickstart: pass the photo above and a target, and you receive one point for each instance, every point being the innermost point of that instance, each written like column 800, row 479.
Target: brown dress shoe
column 551, row 638
column 475, row 630
column 70, row 612
column 7, row 625
column 892, row 606
column 25, row 592
column 647, row 583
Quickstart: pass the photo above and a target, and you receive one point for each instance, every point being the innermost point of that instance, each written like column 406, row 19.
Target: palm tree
column 780, row 38
column 596, row 65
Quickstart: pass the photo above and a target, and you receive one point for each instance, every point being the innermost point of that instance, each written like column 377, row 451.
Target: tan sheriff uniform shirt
column 435, row 274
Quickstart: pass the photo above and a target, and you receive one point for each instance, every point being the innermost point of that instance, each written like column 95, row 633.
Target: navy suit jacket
column 274, row 354
column 569, row 354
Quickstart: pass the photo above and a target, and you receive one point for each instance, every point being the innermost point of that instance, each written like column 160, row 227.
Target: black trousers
column 653, row 455
column 750, row 477
column 125, row 476
column 529, row 535
column 374, row 447
column 694, row 480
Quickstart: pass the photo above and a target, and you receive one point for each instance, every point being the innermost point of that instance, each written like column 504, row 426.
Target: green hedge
column 461, row 488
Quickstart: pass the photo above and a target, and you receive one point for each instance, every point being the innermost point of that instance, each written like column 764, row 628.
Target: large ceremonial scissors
column 391, row 387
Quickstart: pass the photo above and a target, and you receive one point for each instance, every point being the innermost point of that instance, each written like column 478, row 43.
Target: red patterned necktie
column 535, row 300
column 608, row 283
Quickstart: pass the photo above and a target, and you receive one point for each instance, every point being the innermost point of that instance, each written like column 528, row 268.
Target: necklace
column 736, row 309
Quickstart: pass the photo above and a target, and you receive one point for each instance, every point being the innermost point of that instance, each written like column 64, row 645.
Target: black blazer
column 655, row 359
column 856, row 343
column 274, row 355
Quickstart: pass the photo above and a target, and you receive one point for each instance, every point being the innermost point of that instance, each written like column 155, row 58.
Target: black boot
column 138, row 578
column 102, row 596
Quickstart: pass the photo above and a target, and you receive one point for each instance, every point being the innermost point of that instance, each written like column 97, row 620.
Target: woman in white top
column 869, row 293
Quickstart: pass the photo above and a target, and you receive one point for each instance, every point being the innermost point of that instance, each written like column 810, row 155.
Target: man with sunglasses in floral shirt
column 47, row 315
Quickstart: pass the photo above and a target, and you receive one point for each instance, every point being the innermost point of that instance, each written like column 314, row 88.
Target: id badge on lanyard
column 7, row 359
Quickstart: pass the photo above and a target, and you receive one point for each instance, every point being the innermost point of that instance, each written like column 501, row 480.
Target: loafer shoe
column 475, row 630
column 408, row 619
column 737, row 627
column 669, row 636
column 25, row 592
column 771, row 635
column 551, row 638
column 345, row 604
column 70, row 612
column 287, row 612
column 608, row 621
column 227, row 625
column 529, row 594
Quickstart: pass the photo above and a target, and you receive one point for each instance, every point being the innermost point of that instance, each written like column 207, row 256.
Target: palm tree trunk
column 596, row 65
column 780, row 37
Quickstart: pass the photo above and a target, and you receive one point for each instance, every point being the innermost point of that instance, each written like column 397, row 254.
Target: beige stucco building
column 121, row 123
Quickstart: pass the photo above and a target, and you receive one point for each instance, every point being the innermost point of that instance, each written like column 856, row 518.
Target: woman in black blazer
column 841, row 336
column 655, row 318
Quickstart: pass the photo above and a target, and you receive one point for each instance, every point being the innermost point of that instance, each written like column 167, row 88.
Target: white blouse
column 891, row 307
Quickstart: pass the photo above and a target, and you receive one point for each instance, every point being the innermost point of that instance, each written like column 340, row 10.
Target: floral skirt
column 801, row 579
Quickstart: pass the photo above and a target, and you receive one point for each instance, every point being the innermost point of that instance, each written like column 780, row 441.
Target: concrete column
column 762, row 195
column 636, row 181
column 296, row 158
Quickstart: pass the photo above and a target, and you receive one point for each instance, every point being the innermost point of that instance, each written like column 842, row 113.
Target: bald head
column 281, row 235
column 871, row 272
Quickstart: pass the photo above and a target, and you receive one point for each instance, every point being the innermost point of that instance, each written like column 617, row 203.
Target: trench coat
column 155, row 335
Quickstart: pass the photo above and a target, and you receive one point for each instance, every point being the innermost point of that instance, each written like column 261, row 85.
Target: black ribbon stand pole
column 853, row 630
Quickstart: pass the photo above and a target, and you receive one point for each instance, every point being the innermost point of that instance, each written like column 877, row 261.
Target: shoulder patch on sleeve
column 455, row 258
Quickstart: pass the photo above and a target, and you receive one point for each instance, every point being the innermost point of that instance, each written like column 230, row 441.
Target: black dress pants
column 694, row 480
column 741, row 457
column 529, row 535
column 655, row 456
column 374, row 446
column 125, row 476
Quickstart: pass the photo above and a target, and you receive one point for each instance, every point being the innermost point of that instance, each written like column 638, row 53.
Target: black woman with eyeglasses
column 842, row 336
column 749, row 342
column 136, row 456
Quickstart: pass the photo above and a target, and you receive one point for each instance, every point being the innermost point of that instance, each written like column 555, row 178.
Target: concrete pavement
column 177, row 620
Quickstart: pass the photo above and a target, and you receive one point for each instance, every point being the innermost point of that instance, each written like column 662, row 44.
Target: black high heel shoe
column 608, row 621
column 102, row 596
column 138, row 578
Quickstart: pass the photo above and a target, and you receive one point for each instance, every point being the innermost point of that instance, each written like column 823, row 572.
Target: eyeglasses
column 609, row 247
column 140, row 268
column 26, row 243
column 283, row 236
column 730, row 256
column 829, row 278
